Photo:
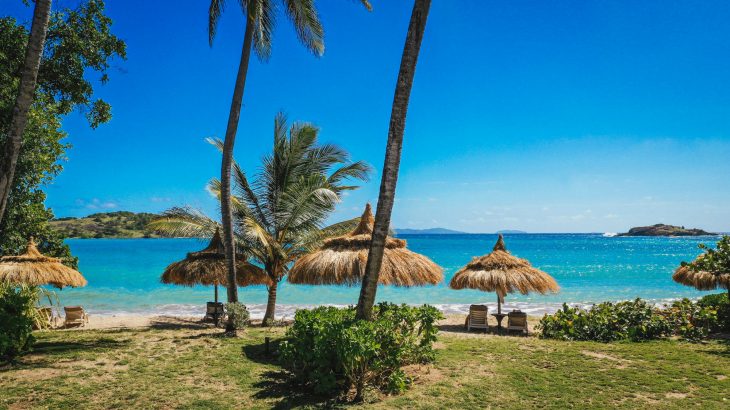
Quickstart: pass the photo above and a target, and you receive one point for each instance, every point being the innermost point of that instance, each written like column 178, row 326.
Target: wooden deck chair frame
column 48, row 316
column 210, row 311
column 517, row 321
column 477, row 319
column 75, row 316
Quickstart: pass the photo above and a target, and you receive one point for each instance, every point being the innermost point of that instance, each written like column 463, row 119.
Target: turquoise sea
column 124, row 274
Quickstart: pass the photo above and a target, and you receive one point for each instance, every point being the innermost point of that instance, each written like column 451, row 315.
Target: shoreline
column 101, row 319
column 451, row 323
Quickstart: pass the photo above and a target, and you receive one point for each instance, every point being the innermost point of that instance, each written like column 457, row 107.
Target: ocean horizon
column 124, row 274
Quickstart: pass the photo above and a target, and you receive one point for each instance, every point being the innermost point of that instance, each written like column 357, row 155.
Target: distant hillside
column 664, row 230
column 107, row 225
column 511, row 231
column 429, row 231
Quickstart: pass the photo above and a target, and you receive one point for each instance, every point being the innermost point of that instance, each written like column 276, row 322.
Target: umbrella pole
column 499, row 304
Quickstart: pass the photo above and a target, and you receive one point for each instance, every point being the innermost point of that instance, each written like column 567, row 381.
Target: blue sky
column 570, row 116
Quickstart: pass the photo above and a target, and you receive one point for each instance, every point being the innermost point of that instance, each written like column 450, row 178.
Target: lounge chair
column 75, row 316
column 47, row 319
column 214, row 312
column 477, row 318
column 517, row 320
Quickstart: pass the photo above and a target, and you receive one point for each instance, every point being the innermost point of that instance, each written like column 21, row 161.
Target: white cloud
column 96, row 204
column 158, row 199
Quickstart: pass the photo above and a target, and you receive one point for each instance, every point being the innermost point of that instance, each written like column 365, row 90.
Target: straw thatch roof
column 701, row 280
column 503, row 273
column 208, row 267
column 342, row 260
column 34, row 268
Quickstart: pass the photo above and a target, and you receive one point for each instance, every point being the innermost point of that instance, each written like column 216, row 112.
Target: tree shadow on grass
column 261, row 353
column 278, row 384
column 173, row 323
column 44, row 353
column 725, row 342
column 459, row 328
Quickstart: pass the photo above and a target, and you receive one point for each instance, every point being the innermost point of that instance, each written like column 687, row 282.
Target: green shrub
column 721, row 304
column 634, row 321
column 606, row 322
column 16, row 323
column 330, row 351
column 691, row 320
column 238, row 313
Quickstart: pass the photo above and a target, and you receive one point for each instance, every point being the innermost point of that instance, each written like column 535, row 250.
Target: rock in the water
column 664, row 230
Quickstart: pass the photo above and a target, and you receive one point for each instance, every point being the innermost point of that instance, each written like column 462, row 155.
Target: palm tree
column 280, row 216
column 26, row 90
column 393, row 149
column 260, row 16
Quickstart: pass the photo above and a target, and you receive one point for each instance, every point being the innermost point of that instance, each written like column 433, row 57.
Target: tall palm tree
column 26, row 90
column 393, row 149
column 280, row 216
column 260, row 17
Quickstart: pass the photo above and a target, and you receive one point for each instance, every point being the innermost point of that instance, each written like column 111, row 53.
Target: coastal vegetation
column 80, row 44
column 332, row 353
column 120, row 224
column 280, row 214
column 183, row 365
column 16, row 321
column 635, row 321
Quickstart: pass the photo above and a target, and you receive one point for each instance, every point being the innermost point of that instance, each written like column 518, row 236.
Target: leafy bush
column 691, row 320
column 634, row 321
column 238, row 313
column 330, row 351
column 721, row 304
column 606, row 322
column 16, row 324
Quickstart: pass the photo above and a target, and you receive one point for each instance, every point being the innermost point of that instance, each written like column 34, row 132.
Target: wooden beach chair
column 214, row 310
column 46, row 317
column 75, row 316
column 517, row 321
column 477, row 318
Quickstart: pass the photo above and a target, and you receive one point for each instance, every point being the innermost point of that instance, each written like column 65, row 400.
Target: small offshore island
column 665, row 230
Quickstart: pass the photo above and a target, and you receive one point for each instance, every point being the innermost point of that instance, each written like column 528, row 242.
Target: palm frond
column 314, row 239
column 304, row 17
column 357, row 170
column 367, row 5
column 214, row 13
column 262, row 14
column 184, row 222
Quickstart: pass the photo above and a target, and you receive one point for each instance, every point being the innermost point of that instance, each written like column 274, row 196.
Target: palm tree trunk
column 11, row 151
column 389, row 179
column 270, row 305
column 228, row 143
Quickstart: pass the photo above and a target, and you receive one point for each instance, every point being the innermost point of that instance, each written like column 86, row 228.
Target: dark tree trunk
column 270, row 305
column 389, row 179
column 228, row 143
column 26, row 91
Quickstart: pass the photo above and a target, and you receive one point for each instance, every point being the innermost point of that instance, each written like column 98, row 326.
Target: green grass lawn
column 191, row 367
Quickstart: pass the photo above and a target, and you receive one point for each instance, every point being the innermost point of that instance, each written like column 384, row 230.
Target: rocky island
column 664, row 230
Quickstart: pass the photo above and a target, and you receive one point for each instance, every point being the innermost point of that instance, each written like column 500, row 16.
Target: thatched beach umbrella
column 503, row 273
column 34, row 268
column 208, row 267
column 342, row 260
column 700, row 279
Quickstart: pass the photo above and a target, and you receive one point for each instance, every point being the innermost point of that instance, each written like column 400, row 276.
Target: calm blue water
column 124, row 274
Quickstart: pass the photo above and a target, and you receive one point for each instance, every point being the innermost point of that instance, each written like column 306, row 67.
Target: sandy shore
column 452, row 324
